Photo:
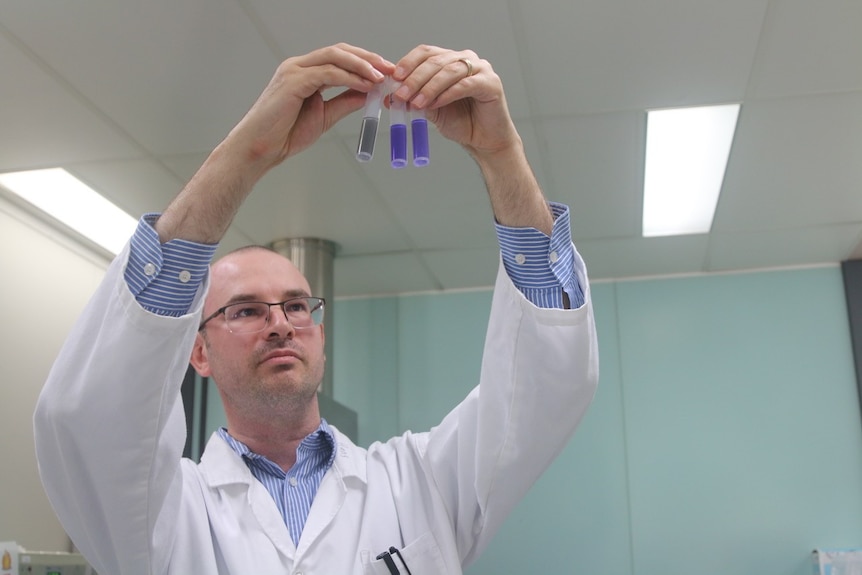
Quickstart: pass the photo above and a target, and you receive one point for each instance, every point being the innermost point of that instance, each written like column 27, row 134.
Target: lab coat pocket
column 420, row 557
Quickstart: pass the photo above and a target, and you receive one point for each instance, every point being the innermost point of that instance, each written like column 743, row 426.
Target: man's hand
column 291, row 114
column 463, row 96
column 465, row 100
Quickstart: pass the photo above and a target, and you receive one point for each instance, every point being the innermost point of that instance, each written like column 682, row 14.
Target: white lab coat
column 110, row 433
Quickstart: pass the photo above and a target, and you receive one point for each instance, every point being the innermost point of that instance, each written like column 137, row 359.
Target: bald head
column 253, row 273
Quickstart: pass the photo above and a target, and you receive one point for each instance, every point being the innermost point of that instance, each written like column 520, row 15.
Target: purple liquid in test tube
column 398, row 132
column 419, row 131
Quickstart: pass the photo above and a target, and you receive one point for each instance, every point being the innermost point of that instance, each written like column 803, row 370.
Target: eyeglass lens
column 248, row 317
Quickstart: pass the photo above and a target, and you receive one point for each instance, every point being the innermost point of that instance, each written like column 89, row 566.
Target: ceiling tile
column 464, row 268
column 595, row 167
column 184, row 166
column 43, row 123
column 232, row 240
column 777, row 248
column 794, row 163
column 638, row 257
column 175, row 76
column 392, row 29
column 809, row 48
column 381, row 275
column 321, row 193
column 599, row 55
column 136, row 186
column 132, row 96
column 437, row 205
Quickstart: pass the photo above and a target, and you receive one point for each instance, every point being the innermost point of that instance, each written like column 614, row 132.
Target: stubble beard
column 274, row 391
column 286, row 391
column 280, row 389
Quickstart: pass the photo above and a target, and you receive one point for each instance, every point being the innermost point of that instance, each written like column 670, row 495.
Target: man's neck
column 275, row 438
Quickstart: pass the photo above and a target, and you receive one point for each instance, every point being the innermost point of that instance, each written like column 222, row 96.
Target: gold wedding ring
column 469, row 66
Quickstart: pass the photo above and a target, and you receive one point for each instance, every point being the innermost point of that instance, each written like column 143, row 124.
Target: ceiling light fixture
column 62, row 196
column 686, row 156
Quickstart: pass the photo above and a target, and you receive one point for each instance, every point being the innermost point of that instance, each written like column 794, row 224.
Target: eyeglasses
column 252, row 316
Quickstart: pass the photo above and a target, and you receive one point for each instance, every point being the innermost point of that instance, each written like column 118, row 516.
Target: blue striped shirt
column 293, row 491
column 164, row 279
column 540, row 265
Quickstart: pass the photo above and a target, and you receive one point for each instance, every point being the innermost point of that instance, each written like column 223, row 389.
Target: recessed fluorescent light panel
column 67, row 199
column 686, row 157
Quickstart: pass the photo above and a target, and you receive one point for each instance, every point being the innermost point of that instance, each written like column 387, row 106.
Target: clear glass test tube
column 398, row 132
column 370, row 121
column 419, row 132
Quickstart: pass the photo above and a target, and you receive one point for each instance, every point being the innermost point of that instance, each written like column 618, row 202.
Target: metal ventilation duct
column 315, row 259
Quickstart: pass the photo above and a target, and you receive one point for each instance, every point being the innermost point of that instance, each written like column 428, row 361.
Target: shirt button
column 292, row 481
column 185, row 276
column 520, row 259
column 149, row 269
column 554, row 257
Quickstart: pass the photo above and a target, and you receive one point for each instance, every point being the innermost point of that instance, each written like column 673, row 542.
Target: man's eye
column 246, row 311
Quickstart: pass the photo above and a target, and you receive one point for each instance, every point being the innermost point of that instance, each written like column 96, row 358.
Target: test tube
column 398, row 132
column 370, row 121
column 419, row 131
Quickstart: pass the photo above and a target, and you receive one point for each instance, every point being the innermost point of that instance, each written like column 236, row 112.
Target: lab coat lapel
column 221, row 467
column 346, row 469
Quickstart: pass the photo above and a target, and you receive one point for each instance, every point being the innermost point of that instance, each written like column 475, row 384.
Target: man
column 279, row 490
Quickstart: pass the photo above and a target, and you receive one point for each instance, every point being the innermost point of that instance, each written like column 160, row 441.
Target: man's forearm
column 289, row 116
column 516, row 198
column 204, row 209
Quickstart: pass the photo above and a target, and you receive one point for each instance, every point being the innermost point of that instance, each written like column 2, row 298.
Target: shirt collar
column 321, row 440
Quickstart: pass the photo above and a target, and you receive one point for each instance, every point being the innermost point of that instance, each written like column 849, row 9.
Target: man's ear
column 200, row 356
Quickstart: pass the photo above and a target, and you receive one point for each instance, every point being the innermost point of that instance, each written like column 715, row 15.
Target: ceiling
column 130, row 97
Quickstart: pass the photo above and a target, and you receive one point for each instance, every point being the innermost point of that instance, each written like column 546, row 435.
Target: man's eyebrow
column 295, row 293
column 288, row 294
column 241, row 298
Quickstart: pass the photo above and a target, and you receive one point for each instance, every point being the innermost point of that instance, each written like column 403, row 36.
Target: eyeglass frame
column 221, row 310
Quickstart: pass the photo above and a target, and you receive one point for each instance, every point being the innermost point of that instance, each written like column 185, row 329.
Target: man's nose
column 279, row 324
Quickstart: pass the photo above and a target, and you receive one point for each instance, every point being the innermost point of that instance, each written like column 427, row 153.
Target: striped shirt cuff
column 543, row 267
column 164, row 278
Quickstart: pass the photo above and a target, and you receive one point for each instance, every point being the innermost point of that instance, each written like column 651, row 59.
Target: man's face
column 276, row 367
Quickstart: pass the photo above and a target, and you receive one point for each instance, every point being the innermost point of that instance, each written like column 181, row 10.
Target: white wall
column 45, row 280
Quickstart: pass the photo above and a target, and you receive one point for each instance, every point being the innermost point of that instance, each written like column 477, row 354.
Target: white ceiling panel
column 135, row 186
column 809, row 48
column 308, row 197
column 464, row 268
column 232, row 240
column 392, row 29
column 384, row 274
column 643, row 257
column 131, row 96
column 778, row 248
column 43, row 122
column 449, row 192
column 596, row 168
column 175, row 75
column 795, row 162
column 598, row 55
column 183, row 166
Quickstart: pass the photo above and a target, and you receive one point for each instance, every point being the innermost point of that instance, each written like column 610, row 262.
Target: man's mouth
column 281, row 356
